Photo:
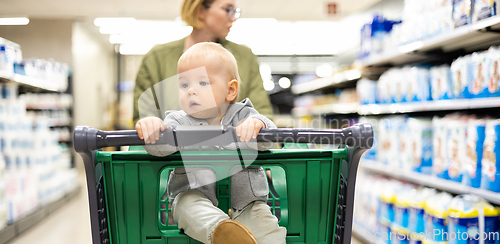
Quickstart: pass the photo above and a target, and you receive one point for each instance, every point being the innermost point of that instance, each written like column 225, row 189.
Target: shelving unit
column 429, row 180
column 440, row 105
column 330, row 81
column 17, row 228
column 30, row 81
column 469, row 37
column 401, row 108
column 364, row 234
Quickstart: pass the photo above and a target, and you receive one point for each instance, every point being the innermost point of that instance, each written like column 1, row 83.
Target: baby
column 208, row 89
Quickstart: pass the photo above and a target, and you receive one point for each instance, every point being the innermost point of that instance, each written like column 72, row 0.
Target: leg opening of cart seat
column 277, row 198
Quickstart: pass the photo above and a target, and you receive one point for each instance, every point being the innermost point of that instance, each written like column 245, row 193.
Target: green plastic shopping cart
column 311, row 191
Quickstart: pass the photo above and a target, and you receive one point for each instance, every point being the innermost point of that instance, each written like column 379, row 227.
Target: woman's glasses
column 231, row 11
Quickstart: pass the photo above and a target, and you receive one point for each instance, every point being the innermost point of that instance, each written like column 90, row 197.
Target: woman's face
column 216, row 17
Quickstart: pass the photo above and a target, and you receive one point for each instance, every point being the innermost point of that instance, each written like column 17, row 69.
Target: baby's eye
column 203, row 83
column 184, row 85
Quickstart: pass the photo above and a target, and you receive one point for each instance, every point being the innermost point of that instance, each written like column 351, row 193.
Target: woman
column 211, row 21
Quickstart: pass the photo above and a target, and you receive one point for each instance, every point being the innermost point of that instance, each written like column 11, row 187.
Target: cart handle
column 88, row 139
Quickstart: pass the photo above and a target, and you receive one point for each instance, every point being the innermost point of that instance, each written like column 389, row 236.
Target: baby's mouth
column 193, row 104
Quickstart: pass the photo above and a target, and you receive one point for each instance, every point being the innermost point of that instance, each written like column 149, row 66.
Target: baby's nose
column 192, row 91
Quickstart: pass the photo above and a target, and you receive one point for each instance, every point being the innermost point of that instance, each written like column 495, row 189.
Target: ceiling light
column 14, row 21
column 324, row 70
column 265, row 70
column 113, row 21
column 269, row 85
column 131, row 49
column 284, row 82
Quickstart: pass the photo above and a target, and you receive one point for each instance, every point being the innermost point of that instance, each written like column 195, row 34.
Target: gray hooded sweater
column 247, row 184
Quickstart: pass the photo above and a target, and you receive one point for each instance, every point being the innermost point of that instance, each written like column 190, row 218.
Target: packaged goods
column 435, row 216
column 490, row 177
column 475, row 217
column 474, row 152
column 462, row 12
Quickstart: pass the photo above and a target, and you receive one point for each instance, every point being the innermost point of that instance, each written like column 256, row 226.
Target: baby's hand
column 249, row 129
column 149, row 129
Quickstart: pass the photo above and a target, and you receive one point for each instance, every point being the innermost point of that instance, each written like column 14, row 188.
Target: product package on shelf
column 477, row 75
column 441, row 82
column 366, row 90
column 456, row 146
column 402, row 206
column 459, row 69
column 484, row 9
column 474, row 154
column 420, row 144
column 490, row 176
column 435, row 216
column 474, row 216
column 416, row 209
column 10, row 54
column 493, row 78
column 462, row 12
column 389, row 141
column 418, row 85
column 440, row 153
column 387, row 200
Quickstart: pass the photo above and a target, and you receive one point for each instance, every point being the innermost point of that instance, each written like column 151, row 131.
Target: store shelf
column 30, row 81
column 20, row 226
column 471, row 37
column 330, row 81
column 59, row 122
column 455, row 104
column 364, row 235
column 429, row 181
column 338, row 108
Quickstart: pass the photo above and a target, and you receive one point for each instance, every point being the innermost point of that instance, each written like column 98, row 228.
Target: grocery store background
column 423, row 72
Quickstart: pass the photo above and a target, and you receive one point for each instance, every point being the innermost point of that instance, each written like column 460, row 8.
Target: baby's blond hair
column 206, row 52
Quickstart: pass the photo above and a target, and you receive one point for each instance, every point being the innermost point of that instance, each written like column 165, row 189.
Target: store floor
column 70, row 224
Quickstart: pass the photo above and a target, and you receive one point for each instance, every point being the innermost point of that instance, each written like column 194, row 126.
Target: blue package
column 439, row 145
column 493, row 78
column 420, row 141
column 435, row 216
column 367, row 91
column 456, row 148
column 471, row 220
column 484, row 9
column 475, row 141
column 478, row 75
column 459, row 70
column 441, row 82
column 462, row 12
column 490, row 176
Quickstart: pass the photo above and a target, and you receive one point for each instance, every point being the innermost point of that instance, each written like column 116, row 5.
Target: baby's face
column 203, row 88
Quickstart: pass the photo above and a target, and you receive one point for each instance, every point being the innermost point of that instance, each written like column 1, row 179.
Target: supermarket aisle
column 70, row 224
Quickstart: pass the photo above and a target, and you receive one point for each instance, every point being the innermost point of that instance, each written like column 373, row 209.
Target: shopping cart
column 311, row 191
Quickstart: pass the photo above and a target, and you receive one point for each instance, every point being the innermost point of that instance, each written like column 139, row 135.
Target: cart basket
column 311, row 190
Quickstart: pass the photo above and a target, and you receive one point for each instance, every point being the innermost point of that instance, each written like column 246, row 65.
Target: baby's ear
column 232, row 90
